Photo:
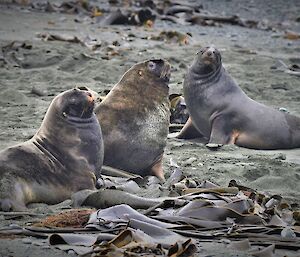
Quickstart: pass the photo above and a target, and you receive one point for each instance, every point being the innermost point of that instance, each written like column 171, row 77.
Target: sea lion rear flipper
column 189, row 131
column 157, row 170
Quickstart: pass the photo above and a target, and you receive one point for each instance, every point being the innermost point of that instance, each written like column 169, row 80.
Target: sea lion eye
column 151, row 65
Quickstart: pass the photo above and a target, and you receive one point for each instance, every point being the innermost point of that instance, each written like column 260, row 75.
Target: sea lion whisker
column 83, row 111
column 164, row 71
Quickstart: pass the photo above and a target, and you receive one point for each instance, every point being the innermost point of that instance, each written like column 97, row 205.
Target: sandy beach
column 33, row 70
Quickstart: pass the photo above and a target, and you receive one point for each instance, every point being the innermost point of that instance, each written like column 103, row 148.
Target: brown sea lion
column 222, row 112
column 61, row 158
column 134, row 118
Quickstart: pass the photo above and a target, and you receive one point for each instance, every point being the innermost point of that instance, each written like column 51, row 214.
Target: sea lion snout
column 166, row 72
column 208, row 55
column 91, row 95
column 161, row 68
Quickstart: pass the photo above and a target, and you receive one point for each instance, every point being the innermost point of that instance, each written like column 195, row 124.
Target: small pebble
column 38, row 243
column 212, row 146
column 71, row 252
column 279, row 86
column 189, row 161
column 282, row 109
column 14, row 226
column 280, row 156
column 37, row 91
column 288, row 233
column 177, row 144
column 27, row 241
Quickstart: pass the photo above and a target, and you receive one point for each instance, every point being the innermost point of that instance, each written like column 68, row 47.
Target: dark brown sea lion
column 134, row 118
column 61, row 158
column 222, row 112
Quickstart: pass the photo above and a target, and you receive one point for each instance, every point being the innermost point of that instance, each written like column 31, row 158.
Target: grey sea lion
column 63, row 157
column 134, row 118
column 223, row 113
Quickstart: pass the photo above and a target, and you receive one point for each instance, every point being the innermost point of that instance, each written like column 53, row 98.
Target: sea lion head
column 75, row 104
column 159, row 68
column 208, row 60
column 67, row 112
column 154, row 70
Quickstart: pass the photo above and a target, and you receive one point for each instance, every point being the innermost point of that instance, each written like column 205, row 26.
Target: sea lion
column 134, row 118
column 222, row 112
column 62, row 157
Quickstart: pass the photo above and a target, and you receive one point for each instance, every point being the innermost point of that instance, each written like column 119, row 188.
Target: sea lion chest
column 134, row 137
column 200, row 101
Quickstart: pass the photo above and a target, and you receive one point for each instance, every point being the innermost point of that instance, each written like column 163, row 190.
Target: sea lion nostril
column 209, row 53
column 90, row 97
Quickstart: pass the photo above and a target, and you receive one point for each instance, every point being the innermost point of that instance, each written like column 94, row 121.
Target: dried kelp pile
column 185, row 213
column 142, row 12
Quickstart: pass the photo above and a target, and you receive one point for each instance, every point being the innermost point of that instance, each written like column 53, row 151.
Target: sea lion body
column 222, row 112
column 134, row 118
column 62, row 157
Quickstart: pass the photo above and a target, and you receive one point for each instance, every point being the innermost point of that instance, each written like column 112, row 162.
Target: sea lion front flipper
column 7, row 205
column 220, row 132
column 157, row 170
column 189, row 131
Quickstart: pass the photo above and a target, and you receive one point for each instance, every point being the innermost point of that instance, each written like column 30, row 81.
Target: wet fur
column 224, row 114
column 134, row 118
column 59, row 160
